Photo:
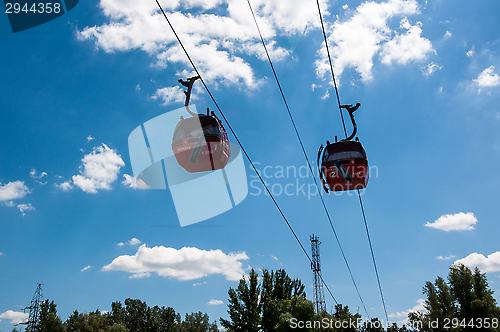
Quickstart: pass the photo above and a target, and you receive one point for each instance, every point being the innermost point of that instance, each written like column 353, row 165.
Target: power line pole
column 35, row 308
column 319, row 296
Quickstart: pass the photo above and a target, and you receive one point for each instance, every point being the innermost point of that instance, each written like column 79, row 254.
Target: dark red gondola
column 344, row 165
column 200, row 142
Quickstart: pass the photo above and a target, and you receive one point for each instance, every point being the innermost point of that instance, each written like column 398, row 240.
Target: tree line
column 134, row 316
column 276, row 302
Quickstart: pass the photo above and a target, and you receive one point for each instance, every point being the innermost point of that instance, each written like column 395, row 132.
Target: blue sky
column 73, row 89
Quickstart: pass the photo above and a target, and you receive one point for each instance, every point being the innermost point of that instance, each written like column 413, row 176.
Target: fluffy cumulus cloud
column 15, row 317
column 99, row 170
column 410, row 46
column 132, row 242
column 170, row 95
column 13, row 190
column 215, row 302
column 454, row 222
column 187, row 263
column 402, row 317
column 487, row 78
column 218, row 34
column 485, row 264
column 130, row 181
column 367, row 34
column 65, row 186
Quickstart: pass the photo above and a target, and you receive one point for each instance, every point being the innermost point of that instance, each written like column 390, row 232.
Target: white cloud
column 13, row 190
column 487, row 78
column 133, row 241
column 217, row 43
column 366, row 34
column 485, row 264
column 99, row 170
column 187, row 263
column 408, row 47
column 65, row 186
column 215, row 302
column 430, row 69
column 441, row 258
column 170, row 95
column 130, row 181
column 140, row 275
column 1, row 253
column 25, row 207
column 86, row 268
column 447, row 35
column 403, row 315
column 471, row 52
column 274, row 257
column 15, row 317
column 34, row 174
column 454, row 222
column 89, row 138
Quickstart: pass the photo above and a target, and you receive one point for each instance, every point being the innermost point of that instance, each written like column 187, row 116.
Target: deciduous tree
column 463, row 303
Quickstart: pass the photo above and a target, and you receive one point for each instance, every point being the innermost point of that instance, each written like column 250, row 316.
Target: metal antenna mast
column 319, row 296
column 35, row 308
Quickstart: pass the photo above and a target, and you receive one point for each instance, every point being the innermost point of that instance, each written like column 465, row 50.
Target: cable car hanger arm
column 188, row 84
column 351, row 109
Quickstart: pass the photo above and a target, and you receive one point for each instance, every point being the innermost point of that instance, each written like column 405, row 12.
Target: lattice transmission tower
column 34, row 308
column 319, row 296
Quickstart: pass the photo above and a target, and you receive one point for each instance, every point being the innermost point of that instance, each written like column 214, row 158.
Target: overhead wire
column 241, row 145
column 360, row 201
column 305, row 154
column 331, row 65
column 373, row 256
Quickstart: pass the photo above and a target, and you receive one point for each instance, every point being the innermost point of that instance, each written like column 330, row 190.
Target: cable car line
column 373, row 255
column 331, row 66
column 242, row 148
column 307, row 158
column 351, row 110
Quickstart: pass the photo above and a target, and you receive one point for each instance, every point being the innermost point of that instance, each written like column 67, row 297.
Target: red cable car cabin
column 344, row 166
column 200, row 143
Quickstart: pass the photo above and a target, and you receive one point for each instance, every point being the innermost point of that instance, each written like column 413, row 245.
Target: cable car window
column 325, row 155
column 196, row 126
column 211, row 130
column 345, row 155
